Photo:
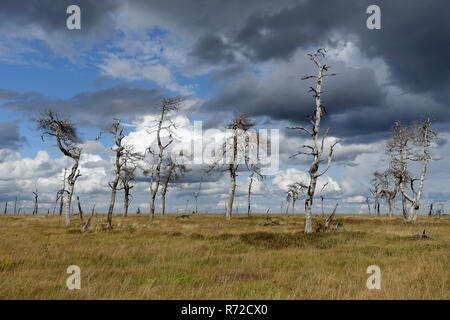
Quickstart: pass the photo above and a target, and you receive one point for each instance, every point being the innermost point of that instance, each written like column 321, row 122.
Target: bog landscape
column 228, row 150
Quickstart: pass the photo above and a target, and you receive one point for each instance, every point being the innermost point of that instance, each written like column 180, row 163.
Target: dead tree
column 197, row 194
column 375, row 190
column 411, row 143
column 321, row 196
column 64, row 131
column 316, row 149
column 388, row 187
column 430, row 211
column 368, row 205
column 239, row 126
column 294, row 191
column 127, row 175
column 238, row 148
column 35, row 210
column 6, row 207
column 116, row 130
column 15, row 205
column 172, row 173
column 167, row 105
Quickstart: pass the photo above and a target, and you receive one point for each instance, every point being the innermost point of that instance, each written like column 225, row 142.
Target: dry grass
column 206, row 257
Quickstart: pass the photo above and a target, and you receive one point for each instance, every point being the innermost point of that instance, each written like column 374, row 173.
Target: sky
column 222, row 57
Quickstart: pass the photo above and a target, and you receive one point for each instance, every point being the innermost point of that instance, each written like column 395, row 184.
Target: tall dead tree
column 36, row 195
column 15, row 205
column 316, row 148
column 167, row 105
column 64, row 131
column 250, row 184
column 116, row 130
column 173, row 173
column 411, row 143
column 6, row 207
column 239, row 126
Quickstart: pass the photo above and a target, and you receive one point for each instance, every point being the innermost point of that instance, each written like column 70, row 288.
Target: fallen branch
column 86, row 226
column 331, row 217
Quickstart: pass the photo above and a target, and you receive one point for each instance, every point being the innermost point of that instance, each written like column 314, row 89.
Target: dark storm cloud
column 212, row 49
column 283, row 96
column 10, row 136
column 412, row 42
column 89, row 108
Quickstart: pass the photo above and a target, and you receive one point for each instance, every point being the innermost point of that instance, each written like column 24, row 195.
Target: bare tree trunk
column 390, row 203
column 293, row 205
column 308, row 203
column 232, row 191
column 249, row 194
column 67, row 203
column 113, row 199
column 6, row 207
column 376, row 209
column 35, row 210
column 163, row 199
column 155, row 188
column 61, row 204
column 15, row 205
column 368, row 206
column 126, row 201
column 404, row 210
column 71, row 182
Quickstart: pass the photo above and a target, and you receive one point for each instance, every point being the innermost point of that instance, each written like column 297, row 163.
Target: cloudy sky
column 223, row 57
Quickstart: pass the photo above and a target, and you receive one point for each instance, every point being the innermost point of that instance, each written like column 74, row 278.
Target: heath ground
column 206, row 257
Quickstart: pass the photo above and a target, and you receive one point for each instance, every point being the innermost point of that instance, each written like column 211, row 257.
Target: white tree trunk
column 232, row 191
column 68, row 203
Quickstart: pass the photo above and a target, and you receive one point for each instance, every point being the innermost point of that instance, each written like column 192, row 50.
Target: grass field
column 207, row 257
